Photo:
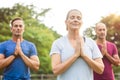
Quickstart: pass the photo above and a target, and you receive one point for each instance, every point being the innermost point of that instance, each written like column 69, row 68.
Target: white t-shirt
column 79, row 70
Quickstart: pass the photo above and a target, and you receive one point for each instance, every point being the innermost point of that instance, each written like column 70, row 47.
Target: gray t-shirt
column 79, row 70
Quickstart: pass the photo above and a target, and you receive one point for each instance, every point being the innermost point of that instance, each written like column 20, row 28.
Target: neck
column 73, row 35
column 101, row 41
column 16, row 38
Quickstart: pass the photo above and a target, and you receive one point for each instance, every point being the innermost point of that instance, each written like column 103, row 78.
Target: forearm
column 97, row 64
column 62, row 67
column 6, row 61
column 33, row 63
column 113, row 60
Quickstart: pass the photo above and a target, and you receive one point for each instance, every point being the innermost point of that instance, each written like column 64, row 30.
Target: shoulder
column 89, row 40
column 111, row 43
column 90, row 43
column 61, row 39
column 60, row 42
column 6, row 42
column 28, row 43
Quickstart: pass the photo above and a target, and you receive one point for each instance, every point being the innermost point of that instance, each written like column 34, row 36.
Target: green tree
column 35, row 31
column 112, row 22
column 89, row 32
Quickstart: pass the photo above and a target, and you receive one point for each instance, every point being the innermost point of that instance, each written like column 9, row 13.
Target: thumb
column 18, row 42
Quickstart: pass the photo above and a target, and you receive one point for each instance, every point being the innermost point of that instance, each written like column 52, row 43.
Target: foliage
column 35, row 31
column 89, row 32
column 112, row 22
column 113, row 25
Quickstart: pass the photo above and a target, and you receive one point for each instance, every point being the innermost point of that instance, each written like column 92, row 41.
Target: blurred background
column 44, row 21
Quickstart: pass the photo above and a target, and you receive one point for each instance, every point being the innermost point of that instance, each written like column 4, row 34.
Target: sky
column 92, row 11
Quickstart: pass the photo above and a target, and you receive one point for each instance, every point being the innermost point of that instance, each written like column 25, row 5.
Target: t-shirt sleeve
column 33, row 50
column 2, row 48
column 55, row 48
column 115, row 50
column 96, row 52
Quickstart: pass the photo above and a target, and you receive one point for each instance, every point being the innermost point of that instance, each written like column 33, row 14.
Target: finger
column 18, row 42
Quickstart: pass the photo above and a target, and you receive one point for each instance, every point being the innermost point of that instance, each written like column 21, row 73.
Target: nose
column 75, row 20
column 18, row 27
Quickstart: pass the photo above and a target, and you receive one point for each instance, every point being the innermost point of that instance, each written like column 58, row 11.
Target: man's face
column 17, row 28
column 101, row 31
column 74, row 20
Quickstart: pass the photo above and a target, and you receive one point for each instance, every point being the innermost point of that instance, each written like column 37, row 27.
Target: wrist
column 76, row 56
column 14, row 55
column 82, row 55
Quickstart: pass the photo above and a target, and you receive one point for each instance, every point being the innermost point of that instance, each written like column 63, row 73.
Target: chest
column 10, row 49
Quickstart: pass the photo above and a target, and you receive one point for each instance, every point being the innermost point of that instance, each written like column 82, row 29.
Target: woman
column 75, row 57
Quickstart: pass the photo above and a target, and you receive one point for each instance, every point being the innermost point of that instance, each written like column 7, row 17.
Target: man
column 73, row 56
column 17, row 55
column 109, row 52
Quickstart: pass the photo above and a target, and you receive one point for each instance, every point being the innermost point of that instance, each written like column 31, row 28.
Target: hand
column 104, row 50
column 119, row 62
column 81, row 47
column 77, row 47
column 18, row 48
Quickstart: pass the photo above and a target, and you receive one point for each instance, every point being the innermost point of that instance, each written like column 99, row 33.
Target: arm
column 96, row 64
column 32, row 62
column 113, row 59
column 4, row 62
column 59, row 67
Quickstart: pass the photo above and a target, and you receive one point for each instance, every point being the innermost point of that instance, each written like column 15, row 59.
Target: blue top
column 17, row 70
column 79, row 70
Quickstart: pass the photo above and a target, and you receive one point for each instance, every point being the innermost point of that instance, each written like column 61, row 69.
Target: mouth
column 18, row 31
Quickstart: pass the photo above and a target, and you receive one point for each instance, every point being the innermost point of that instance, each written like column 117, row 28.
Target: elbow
column 55, row 72
column 117, row 63
column 37, row 67
column 0, row 67
column 101, row 70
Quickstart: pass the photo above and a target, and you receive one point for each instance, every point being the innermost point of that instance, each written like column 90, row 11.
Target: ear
column 11, row 28
column 24, row 28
